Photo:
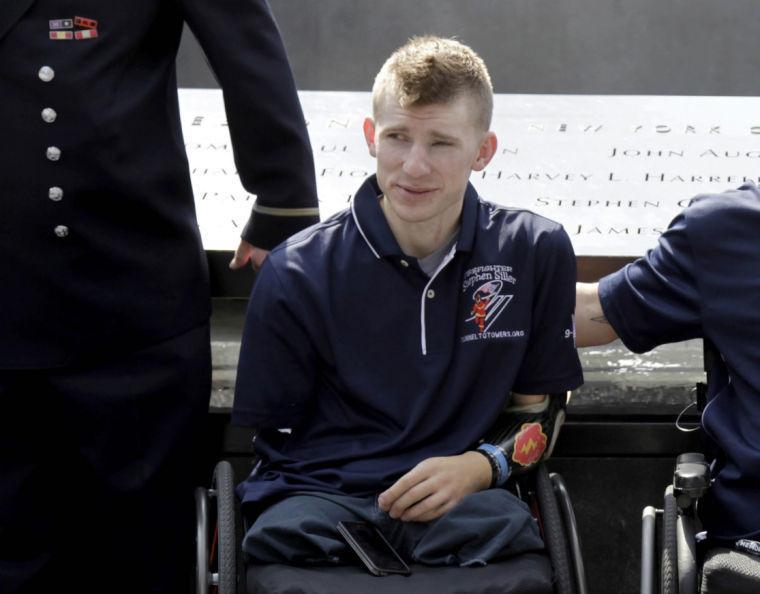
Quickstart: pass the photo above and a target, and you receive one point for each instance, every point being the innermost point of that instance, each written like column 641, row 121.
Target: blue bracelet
column 498, row 454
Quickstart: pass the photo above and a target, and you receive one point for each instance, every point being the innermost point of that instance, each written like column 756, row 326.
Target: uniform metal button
column 404, row 263
column 61, row 231
column 53, row 153
column 55, row 194
column 46, row 74
column 49, row 115
column 430, row 294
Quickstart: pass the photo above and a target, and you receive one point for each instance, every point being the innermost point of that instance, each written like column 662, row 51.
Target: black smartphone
column 373, row 549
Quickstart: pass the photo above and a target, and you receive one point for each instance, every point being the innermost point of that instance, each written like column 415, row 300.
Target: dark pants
column 484, row 526
column 96, row 471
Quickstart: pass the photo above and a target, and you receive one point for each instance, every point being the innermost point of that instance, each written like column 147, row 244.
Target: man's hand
column 248, row 253
column 434, row 486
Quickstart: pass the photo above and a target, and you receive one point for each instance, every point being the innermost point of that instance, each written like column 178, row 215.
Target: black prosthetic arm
column 526, row 434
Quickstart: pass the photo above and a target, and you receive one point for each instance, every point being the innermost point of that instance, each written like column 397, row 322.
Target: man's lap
column 484, row 526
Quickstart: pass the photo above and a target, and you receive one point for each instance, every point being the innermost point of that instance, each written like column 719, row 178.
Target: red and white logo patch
column 530, row 444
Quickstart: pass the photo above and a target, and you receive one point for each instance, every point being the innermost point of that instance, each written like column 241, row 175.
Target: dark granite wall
column 664, row 47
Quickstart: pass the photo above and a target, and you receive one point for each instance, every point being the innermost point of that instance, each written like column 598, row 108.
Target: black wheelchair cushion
column 529, row 573
column 726, row 571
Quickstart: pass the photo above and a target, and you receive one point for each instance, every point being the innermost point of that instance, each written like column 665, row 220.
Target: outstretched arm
column 591, row 326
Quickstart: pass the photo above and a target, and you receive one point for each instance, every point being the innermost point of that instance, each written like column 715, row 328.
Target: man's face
column 425, row 156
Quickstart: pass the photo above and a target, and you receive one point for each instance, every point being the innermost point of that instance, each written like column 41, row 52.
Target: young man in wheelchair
column 389, row 338
column 701, row 280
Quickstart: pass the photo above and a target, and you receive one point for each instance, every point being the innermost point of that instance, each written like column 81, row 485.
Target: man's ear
column 486, row 151
column 369, row 135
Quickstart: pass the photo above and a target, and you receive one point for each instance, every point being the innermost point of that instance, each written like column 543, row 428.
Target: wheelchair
column 222, row 567
column 683, row 569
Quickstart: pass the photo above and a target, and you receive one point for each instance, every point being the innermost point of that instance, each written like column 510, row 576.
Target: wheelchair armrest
column 691, row 478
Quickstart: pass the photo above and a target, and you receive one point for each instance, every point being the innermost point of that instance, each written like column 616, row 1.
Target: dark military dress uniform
column 104, row 306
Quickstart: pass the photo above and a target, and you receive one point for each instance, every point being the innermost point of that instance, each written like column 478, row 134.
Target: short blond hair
column 429, row 70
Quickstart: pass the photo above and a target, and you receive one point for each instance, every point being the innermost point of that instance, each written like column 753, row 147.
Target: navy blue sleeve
column 277, row 365
column 267, row 128
column 655, row 299
column 551, row 362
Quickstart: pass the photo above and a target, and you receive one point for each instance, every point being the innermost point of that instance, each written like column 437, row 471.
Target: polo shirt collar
column 469, row 221
column 371, row 222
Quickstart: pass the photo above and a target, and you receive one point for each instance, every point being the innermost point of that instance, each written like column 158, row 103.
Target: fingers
column 434, row 486
column 414, row 498
column 430, row 507
column 428, row 512
column 246, row 253
column 258, row 256
column 420, row 495
column 389, row 498
column 241, row 257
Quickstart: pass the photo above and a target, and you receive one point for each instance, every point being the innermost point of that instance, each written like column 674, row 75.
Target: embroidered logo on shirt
column 489, row 301
column 62, row 29
column 488, row 304
column 530, row 444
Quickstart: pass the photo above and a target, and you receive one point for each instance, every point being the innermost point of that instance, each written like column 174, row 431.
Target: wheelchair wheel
column 554, row 532
column 669, row 561
column 571, row 529
column 229, row 560
column 687, row 555
column 201, row 541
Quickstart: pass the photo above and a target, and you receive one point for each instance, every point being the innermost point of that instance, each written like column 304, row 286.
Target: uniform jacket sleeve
column 551, row 363
column 269, row 137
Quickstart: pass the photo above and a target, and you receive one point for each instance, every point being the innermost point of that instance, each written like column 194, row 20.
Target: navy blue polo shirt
column 703, row 280
column 376, row 366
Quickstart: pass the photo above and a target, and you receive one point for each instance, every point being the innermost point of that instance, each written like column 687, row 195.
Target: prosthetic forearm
column 522, row 436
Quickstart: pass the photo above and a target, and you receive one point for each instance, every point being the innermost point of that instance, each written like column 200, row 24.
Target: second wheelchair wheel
column 669, row 562
column 228, row 554
column 555, row 538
